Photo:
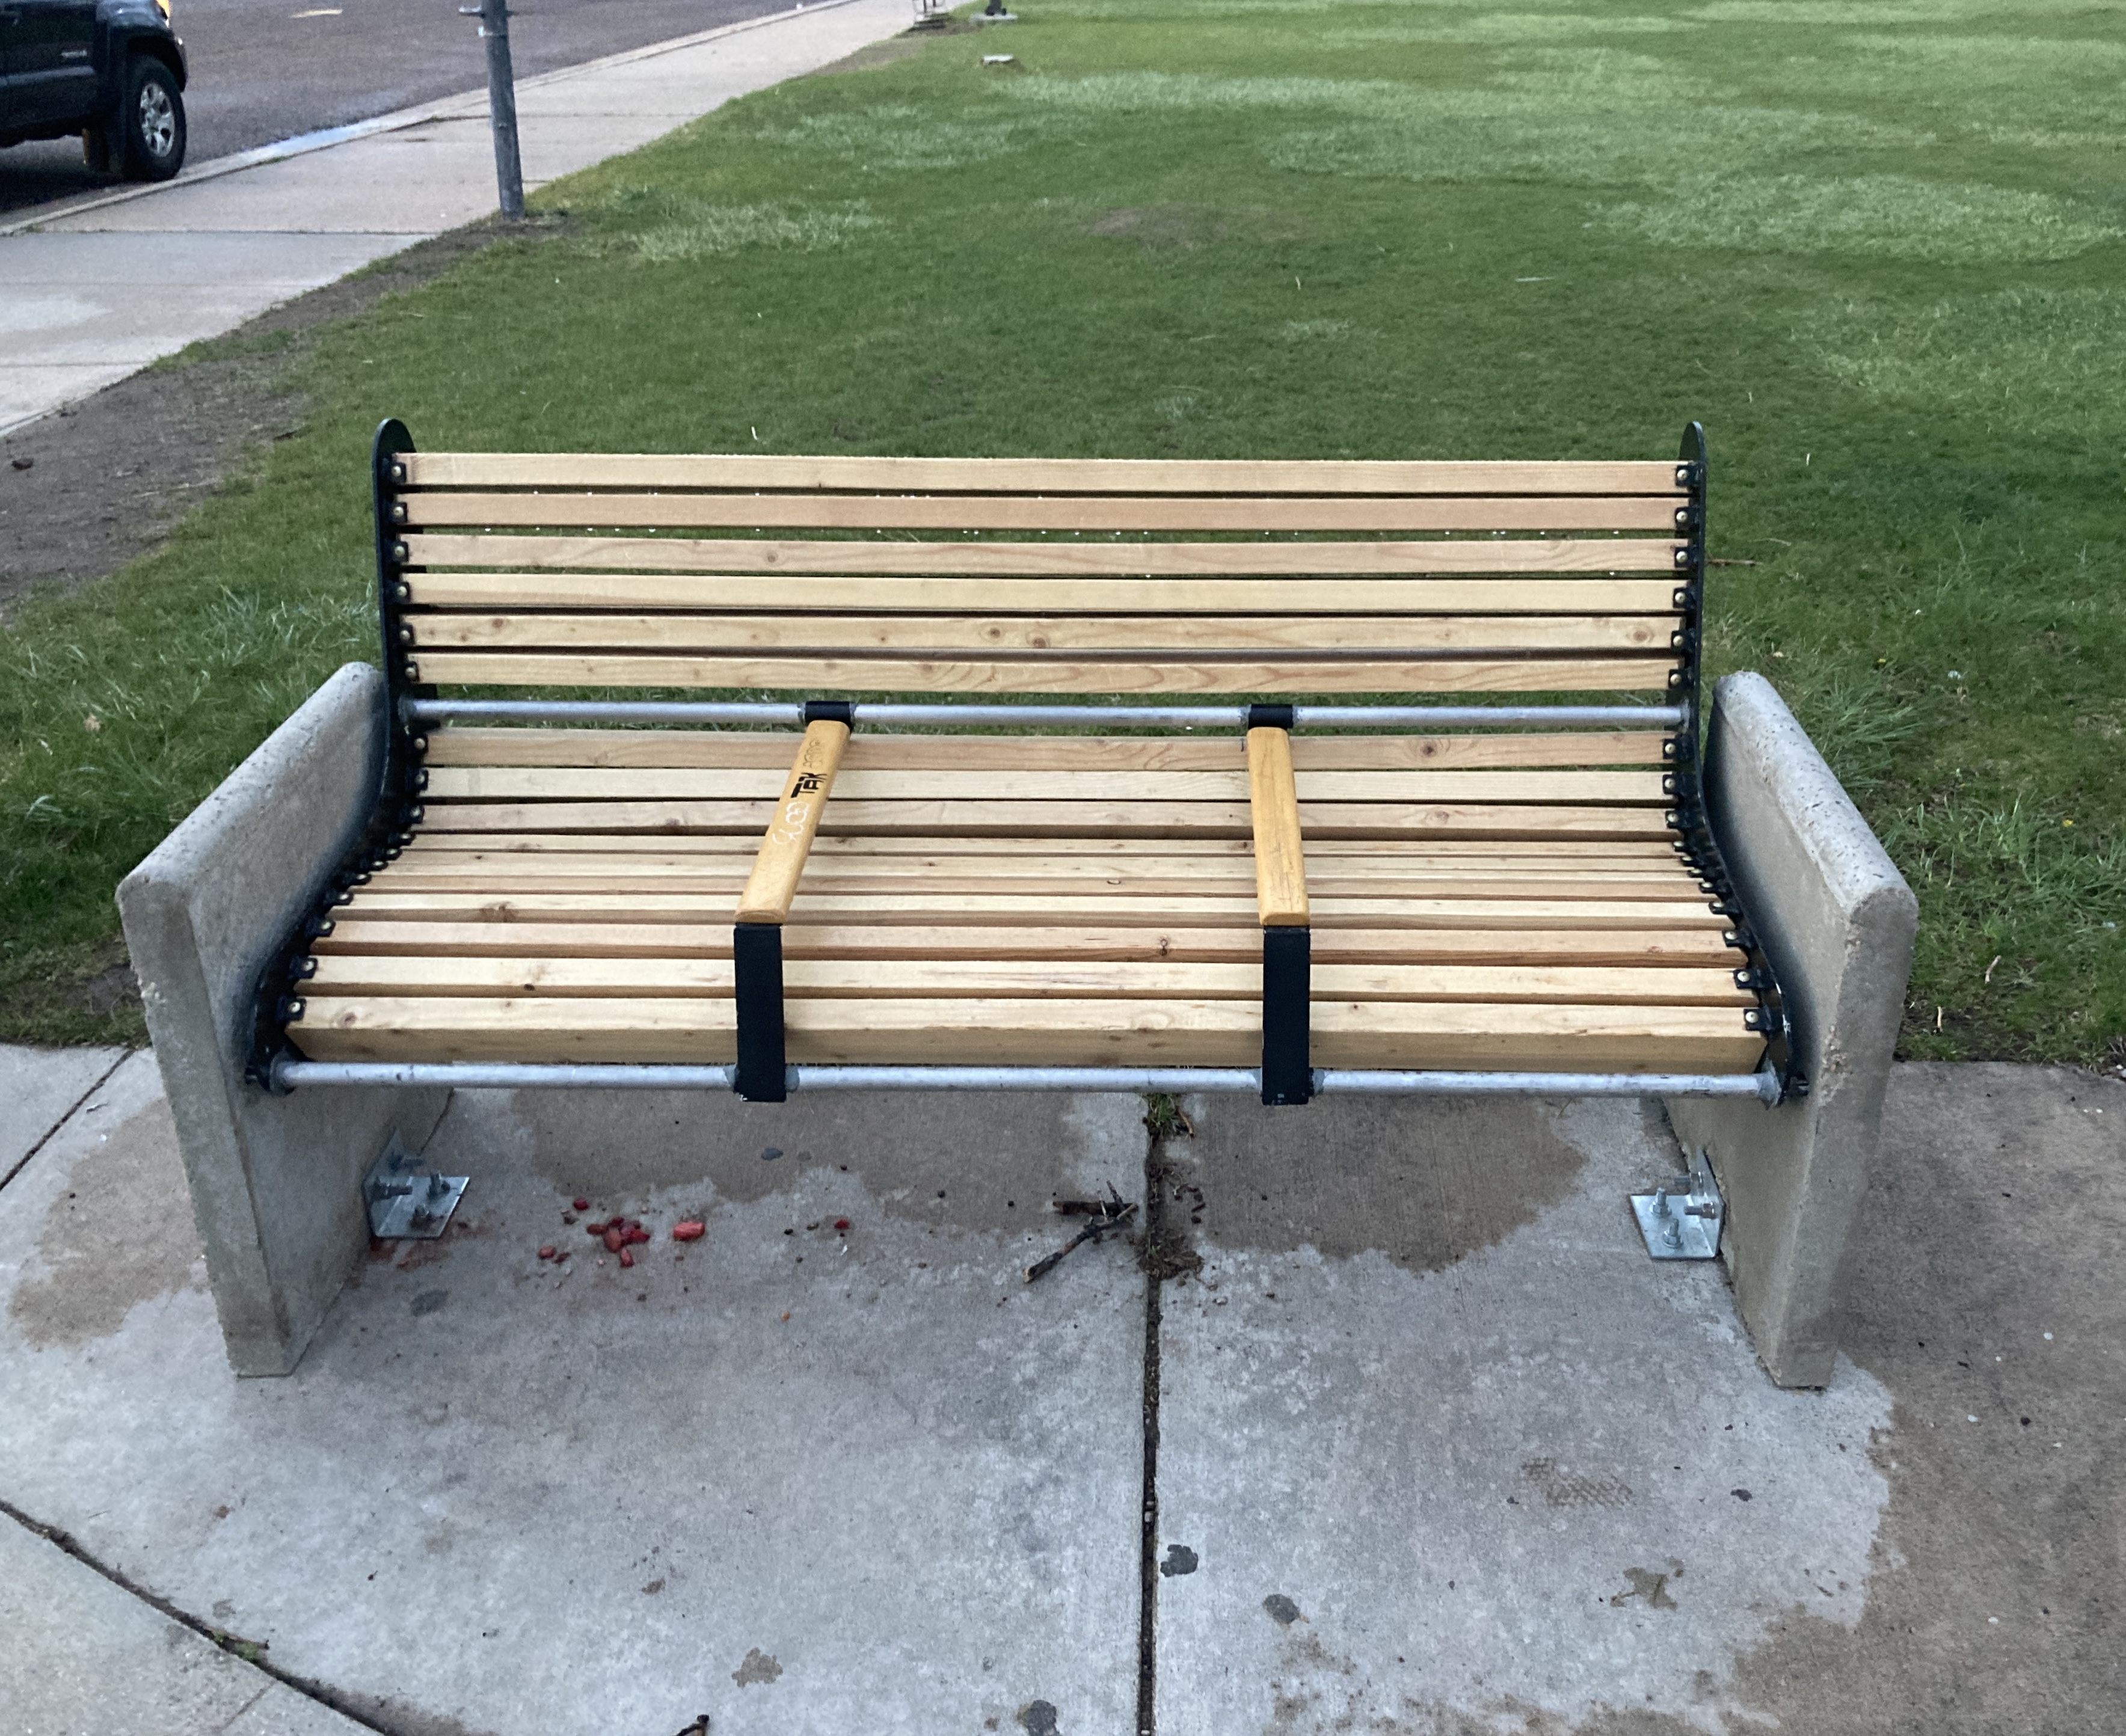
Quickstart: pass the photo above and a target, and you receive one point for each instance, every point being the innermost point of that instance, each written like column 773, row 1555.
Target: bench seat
column 1505, row 902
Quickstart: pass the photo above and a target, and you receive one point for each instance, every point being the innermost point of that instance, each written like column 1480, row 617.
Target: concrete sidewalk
column 92, row 292
column 1438, row 1449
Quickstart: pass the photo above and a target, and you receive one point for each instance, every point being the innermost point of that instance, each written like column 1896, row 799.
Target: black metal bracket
column 763, row 1074
column 1271, row 717
column 830, row 711
column 1684, row 780
column 1287, row 1067
column 277, row 1000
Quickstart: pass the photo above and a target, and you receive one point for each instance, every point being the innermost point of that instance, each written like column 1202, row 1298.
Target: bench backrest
column 1147, row 578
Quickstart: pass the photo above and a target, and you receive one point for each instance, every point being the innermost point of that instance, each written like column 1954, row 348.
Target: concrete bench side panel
column 276, row 1181
column 1838, row 922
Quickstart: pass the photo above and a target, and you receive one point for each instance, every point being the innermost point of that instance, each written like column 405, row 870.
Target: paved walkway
column 1438, row 1449
column 95, row 292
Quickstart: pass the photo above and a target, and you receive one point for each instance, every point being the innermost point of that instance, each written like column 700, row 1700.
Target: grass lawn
column 1879, row 249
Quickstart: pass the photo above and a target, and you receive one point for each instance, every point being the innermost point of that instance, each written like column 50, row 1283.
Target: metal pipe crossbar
column 792, row 716
column 290, row 1074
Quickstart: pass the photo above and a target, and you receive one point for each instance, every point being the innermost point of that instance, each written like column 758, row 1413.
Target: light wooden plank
column 923, row 591
column 844, row 556
column 1280, row 862
column 1170, row 941
column 1180, row 880
column 774, row 880
column 1468, row 859
column 1112, row 908
column 869, row 751
column 345, row 975
column 534, row 783
column 1033, row 1032
column 1380, row 637
column 557, row 509
column 1138, row 676
column 1039, row 475
column 1082, row 819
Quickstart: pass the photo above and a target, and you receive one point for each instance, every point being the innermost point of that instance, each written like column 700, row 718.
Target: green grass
column 1877, row 249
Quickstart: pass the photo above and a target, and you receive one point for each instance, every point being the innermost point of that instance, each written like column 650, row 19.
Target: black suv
column 110, row 70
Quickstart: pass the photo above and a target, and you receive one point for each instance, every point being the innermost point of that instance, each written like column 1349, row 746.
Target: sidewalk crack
column 220, row 1639
column 73, row 1110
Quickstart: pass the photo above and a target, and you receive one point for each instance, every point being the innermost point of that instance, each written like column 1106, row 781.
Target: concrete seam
column 1147, row 1631
column 51, row 1132
column 218, row 1638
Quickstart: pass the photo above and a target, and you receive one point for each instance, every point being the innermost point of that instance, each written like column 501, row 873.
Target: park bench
column 773, row 775
column 1067, row 774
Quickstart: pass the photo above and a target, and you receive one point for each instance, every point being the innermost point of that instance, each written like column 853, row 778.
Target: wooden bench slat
column 1378, row 637
column 1039, row 475
column 1079, row 819
column 1178, row 880
column 844, row 557
column 646, row 905
column 1470, row 856
column 1175, row 881
column 345, row 975
column 919, row 593
column 1171, row 942
column 997, row 1031
column 527, row 784
column 718, row 749
column 1137, row 677
column 1093, row 514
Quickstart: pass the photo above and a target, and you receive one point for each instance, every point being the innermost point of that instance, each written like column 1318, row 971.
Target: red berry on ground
column 614, row 1240
column 692, row 1230
column 581, row 1204
column 627, row 1257
column 546, row 1253
column 841, row 1224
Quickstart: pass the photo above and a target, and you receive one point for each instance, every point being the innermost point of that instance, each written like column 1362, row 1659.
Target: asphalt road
column 263, row 70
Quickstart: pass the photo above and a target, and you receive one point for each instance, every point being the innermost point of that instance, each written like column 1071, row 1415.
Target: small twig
column 1722, row 561
column 1107, row 1220
column 1990, row 967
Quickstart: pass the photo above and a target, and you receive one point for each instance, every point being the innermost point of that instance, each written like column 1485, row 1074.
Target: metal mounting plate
column 1681, row 1219
column 407, row 1201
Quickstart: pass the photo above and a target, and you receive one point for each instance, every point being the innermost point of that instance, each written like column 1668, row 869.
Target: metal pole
column 1112, row 717
column 290, row 1074
column 502, row 108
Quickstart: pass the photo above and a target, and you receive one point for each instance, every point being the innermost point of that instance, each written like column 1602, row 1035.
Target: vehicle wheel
column 151, row 121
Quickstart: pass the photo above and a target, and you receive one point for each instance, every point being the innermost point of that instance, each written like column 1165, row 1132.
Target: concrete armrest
column 1837, row 920
column 276, row 1183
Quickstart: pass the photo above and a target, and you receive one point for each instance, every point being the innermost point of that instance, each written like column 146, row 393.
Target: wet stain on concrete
column 1425, row 1184
column 1281, row 1609
column 413, row 1255
column 759, row 1666
column 1037, row 1718
column 429, row 1301
column 1180, row 1558
column 1999, row 1579
column 121, row 1235
column 1646, row 1584
column 924, row 1163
